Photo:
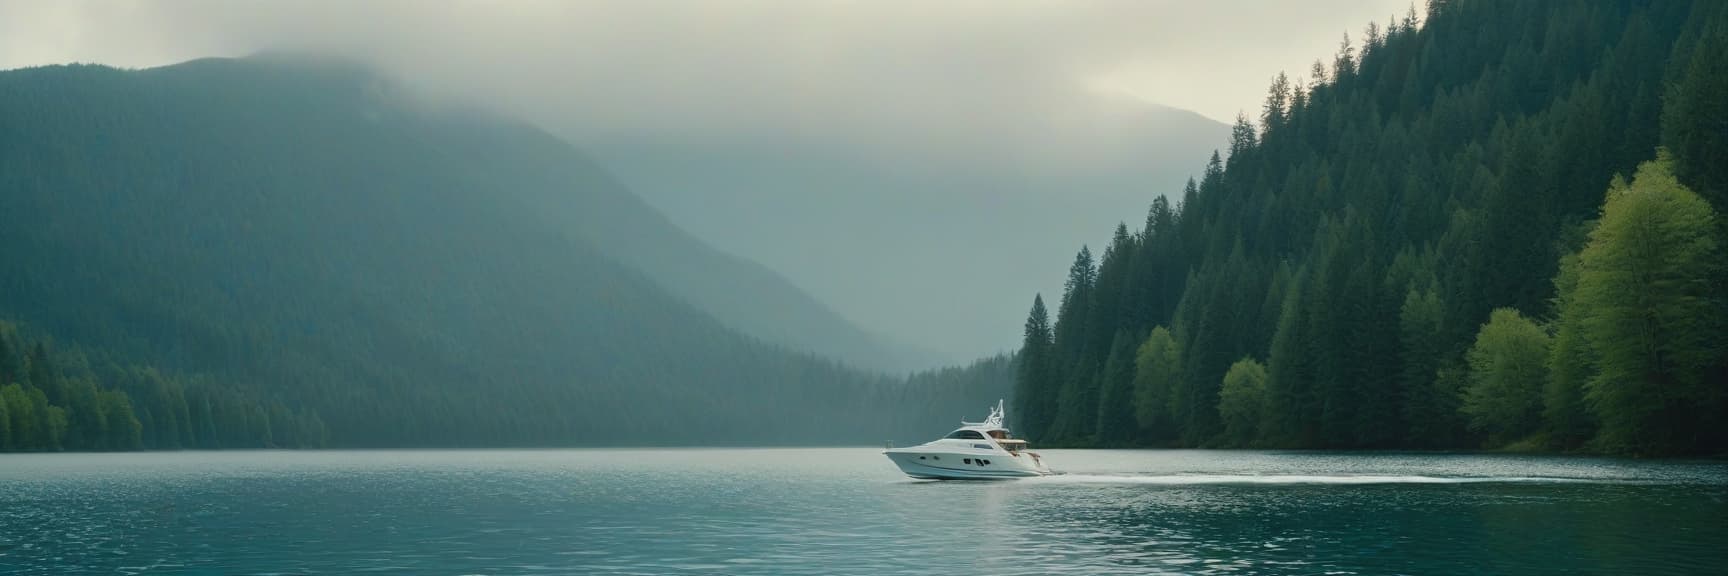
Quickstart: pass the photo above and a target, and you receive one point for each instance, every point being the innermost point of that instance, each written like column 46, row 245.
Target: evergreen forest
column 1490, row 225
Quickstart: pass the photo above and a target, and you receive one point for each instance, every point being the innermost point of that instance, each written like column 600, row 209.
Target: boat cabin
column 981, row 432
column 992, row 428
column 976, row 450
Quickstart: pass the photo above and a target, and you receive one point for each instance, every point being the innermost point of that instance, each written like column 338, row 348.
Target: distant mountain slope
column 740, row 293
column 933, row 239
column 416, row 277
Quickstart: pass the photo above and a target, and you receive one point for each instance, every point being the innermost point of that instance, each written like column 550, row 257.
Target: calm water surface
column 848, row 511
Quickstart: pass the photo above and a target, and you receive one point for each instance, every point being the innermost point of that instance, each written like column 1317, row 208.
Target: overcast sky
column 720, row 61
column 1046, row 88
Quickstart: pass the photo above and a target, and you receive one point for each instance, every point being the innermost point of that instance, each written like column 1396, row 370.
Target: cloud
column 693, row 65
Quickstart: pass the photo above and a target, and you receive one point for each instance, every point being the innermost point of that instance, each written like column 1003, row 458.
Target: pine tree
column 1033, row 382
column 1076, row 309
column 11, row 370
column 1278, row 104
column 1077, row 399
column 1116, row 419
column 1428, row 413
column 1242, row 140
column 1695, row 119
column 1291, row 421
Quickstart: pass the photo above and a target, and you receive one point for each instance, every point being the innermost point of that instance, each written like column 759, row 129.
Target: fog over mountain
column 943, row 253
column 922, row 168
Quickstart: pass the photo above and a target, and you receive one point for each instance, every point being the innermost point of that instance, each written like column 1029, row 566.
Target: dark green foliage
column 1431, row 415
column 1695, row 120
column 1076, row 399
column 120, row 427
column 1363, row 233
column 10, row 368
column 1116, row 421
column 1035, row 373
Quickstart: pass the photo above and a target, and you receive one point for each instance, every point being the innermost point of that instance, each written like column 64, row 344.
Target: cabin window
column 986, row 462
column 920, row 457
column 966, row 435
column 968, row 460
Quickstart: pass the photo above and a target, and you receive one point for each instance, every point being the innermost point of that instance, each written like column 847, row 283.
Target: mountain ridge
column 302, row 236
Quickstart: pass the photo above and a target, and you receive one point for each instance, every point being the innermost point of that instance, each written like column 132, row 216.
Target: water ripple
column 847, row 511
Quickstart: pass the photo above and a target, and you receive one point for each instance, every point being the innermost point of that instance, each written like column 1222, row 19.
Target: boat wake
column 1292, row 479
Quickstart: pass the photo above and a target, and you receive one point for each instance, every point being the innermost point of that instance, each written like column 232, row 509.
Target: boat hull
column 927, row 465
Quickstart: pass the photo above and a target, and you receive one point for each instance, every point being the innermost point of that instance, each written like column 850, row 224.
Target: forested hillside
column 60, row 398
column 301, row 249
column 66, row 400
column 1456, row 232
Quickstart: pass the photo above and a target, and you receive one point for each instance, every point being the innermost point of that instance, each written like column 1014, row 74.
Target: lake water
column 849, row 511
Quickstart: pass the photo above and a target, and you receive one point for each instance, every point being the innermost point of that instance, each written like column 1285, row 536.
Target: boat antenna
column 997, row 416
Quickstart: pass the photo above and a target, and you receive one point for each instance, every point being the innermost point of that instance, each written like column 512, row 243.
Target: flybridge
column 993, row 422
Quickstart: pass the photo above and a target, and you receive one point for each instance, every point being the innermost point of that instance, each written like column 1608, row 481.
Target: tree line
column 55, row 400
column 62, row 400
column 1494, row 225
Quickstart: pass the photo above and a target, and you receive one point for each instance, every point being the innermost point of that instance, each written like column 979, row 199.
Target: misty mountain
column 411, row 274
column 931, row 237
column 742, row 294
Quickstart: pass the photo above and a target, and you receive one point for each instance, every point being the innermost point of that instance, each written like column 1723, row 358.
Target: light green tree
column 1242, row 401
column 1508, row 366
column 1648, row 281
column 22, row 414
column 1157, row 365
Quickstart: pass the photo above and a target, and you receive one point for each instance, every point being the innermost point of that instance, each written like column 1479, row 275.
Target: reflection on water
column 848, row 511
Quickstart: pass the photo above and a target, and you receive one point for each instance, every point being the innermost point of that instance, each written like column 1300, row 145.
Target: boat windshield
column 966, row 435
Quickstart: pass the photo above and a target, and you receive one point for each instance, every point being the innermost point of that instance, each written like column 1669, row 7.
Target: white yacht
column 976, row 451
